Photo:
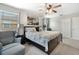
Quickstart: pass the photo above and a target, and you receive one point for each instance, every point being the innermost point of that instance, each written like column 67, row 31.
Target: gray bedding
column 49, row 34
column 43, row 37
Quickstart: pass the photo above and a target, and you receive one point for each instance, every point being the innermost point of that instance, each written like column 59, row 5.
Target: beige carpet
column 61, row 49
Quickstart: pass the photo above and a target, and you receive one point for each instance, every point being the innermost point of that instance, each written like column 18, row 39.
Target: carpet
column 61, row 49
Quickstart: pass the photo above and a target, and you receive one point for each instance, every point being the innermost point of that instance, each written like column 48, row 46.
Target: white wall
column 54, row 24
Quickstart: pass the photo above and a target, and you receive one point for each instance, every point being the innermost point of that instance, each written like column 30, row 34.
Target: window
column 8, row 20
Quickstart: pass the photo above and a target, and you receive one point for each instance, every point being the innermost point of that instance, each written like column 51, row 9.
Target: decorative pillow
column 30, row 29
column 7, row 37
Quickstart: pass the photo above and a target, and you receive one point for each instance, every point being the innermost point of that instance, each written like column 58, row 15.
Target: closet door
column 66, row 27
column 75, row 28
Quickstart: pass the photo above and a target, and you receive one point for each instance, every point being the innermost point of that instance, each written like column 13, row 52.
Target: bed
column 48, row 40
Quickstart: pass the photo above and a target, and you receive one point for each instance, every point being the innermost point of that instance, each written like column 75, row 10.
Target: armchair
column 10, row 45
column 0, row 47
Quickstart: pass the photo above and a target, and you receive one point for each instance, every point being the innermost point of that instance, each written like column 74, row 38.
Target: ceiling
column 27, row 6
column 66, row 8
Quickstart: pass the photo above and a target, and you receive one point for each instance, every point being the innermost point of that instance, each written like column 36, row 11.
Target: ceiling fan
column 50, row 7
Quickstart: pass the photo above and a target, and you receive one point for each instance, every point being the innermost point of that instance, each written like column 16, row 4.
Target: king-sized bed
column 48, row 40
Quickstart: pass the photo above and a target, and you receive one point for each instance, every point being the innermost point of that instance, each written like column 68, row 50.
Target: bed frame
column 51, row 44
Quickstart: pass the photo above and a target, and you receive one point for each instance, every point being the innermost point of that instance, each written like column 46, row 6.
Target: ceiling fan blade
column 54, row 11
column 57, row 6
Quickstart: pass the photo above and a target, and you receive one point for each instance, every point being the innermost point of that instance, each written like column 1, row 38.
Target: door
column 66, row 27
column 75, row 28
